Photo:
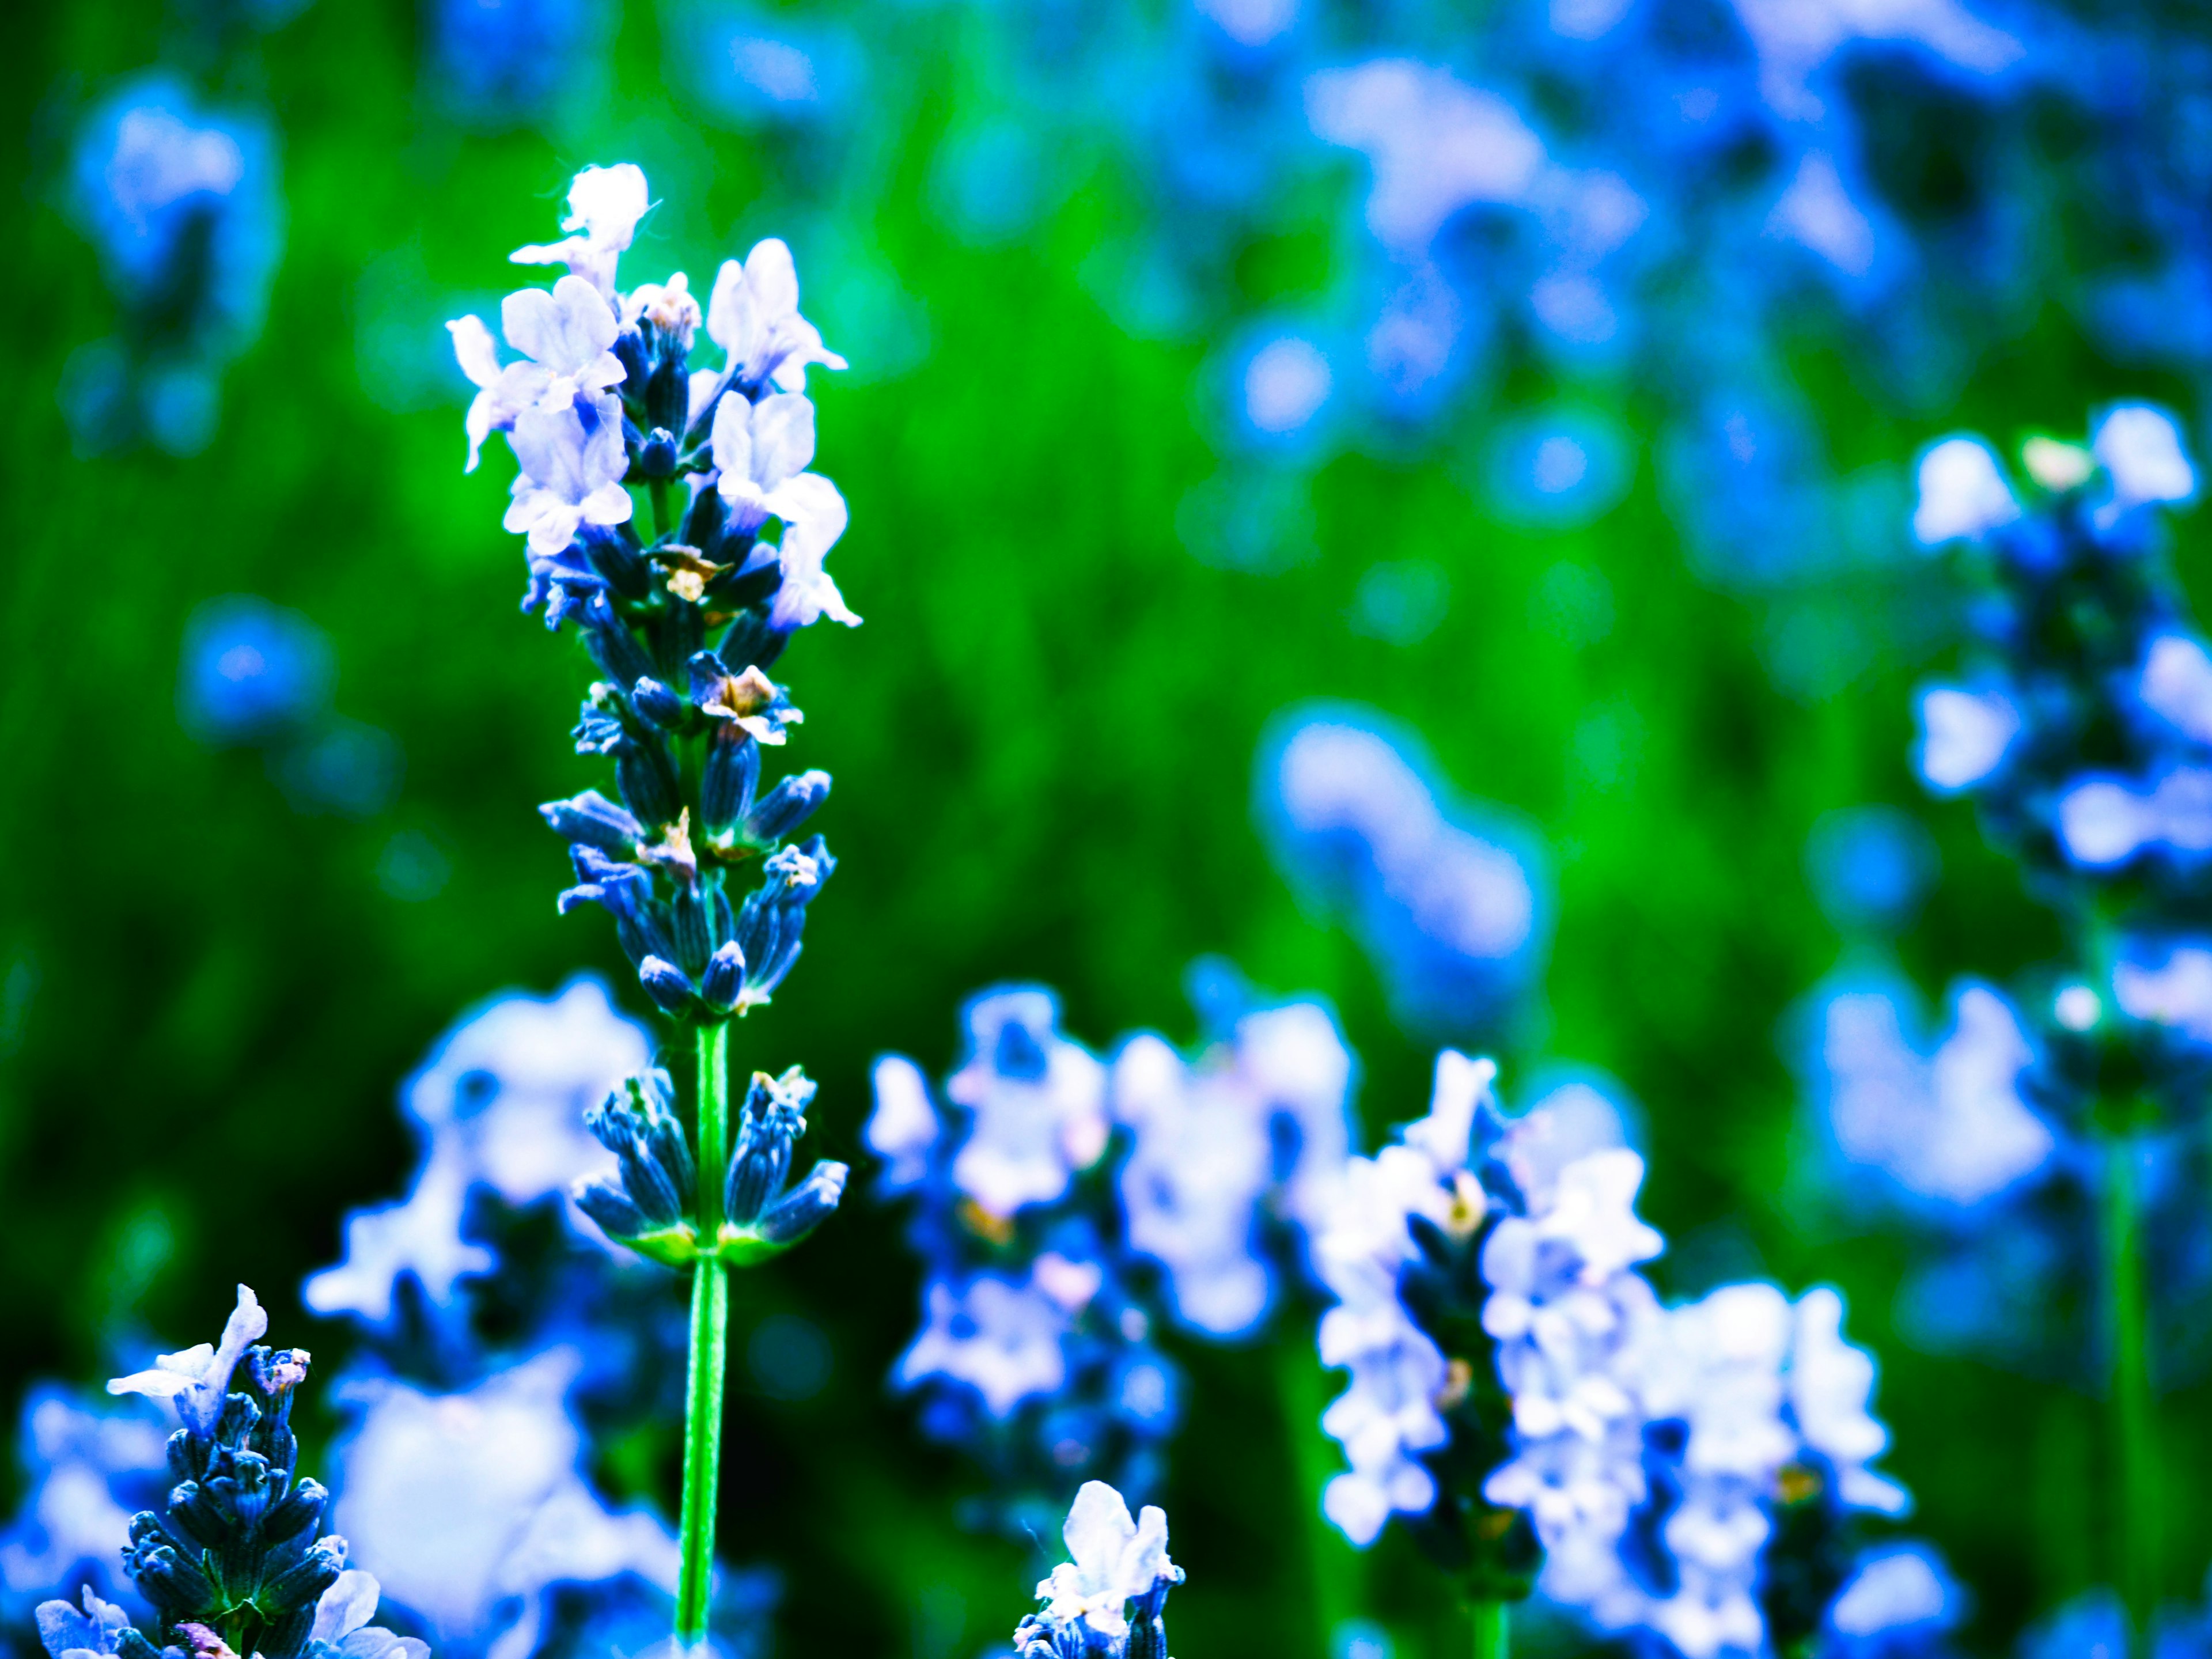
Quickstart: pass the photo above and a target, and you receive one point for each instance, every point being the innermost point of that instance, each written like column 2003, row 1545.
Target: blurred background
column 1532, row 388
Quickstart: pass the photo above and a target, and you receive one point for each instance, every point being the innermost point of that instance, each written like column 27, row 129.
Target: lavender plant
column 235, row 1560
column 1066, row 1210
column 1522, row 1403
column 2081, row 732
column 602, row 401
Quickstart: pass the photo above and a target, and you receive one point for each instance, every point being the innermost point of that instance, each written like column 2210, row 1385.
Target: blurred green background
column 1042, row 740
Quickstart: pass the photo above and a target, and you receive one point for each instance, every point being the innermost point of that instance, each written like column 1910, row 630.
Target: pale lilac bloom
column 758, row 448
column 1115, row 1560
column 469, row 1507
column 604, row 204
column 1963, row 492
column 1831, row 1387
column 1964, row 736
column 1436, row 144
column 1204, row 1161
column 1816, row 211
column 569, row 478
column 1894, row 1589
column 814, row 517
column 1038, row 1099
column 76, row 1456
column 1000, row 1338
column 1795, row 37
column 1951, row 1125
column 197, row 1381
column 2140, row 449
column 342, row 1616
column 904, row 1128
column 1386, row 1416
column 753, row 315
column 2176, row 993
column 1717, row 1366
column 2104, row 821
column 566, row 337
column 499, row 1104
column 2177, row 685
column 1570, row 1316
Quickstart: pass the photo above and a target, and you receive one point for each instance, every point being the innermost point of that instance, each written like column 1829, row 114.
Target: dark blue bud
column 702, row 523
column 787, row 807
column 314, row 1573
column 770, row 1120
column 807, row 1205
column 658, row 704
column 612, row 646
column 611, row 1208
column 725, row 976
column 669, row 986
column 645, row 774
column 687, row 912
column 632, row 353
column 748, row 639
column 593, row 819
column 728, row 780
column 656, row 457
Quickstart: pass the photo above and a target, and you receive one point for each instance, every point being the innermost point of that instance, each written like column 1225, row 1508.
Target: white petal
column 783, row 437
column 346, row 1606
column 473, row 346
column 773, row 279
column 733, row 440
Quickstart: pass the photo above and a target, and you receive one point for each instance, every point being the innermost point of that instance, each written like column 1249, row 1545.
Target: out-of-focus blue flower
column 1037, row 1102
column 512, row 60
column 88, row 1470
column 1558, row 469
column 1900, row 1600
column 252, row 671
column 1035, row 1354
column 1262, row 1114
column 499, row 1104
column 1947, row 1124
column 2094, row 1625
column 1870, row 866
column 472, row 1508
column 1446, row 896
column 750, row 68
column 182, row 204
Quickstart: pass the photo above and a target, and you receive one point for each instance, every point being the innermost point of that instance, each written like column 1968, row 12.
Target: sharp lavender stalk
column 605, row 401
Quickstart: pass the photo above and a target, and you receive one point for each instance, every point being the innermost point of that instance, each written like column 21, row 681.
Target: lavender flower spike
column 198, row 1379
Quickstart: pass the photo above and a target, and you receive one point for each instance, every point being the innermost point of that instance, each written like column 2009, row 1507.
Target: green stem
column 658, row 489
column 2135, row 1430
column 710, row 1335
column 1494, row 1634
column 1332, row 1565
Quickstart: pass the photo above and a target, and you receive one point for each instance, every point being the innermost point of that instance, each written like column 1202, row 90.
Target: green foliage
column 1042, row 740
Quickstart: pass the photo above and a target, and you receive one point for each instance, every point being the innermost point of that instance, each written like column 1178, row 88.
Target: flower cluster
column 1231, row 1157
column 1035, row 1351
column 2075, row 730
column 1448, row 899
column 652, row 1202
column 1109, row 1599
column 605, row 396
column 1695, row 1472
column 181, row 203
column 2085, row 735
column 502, row 1339
column 235, row 1561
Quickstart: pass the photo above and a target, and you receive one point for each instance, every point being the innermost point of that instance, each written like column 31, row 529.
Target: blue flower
column 1445, row 897
column 498, row 1105
column 252, row 671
